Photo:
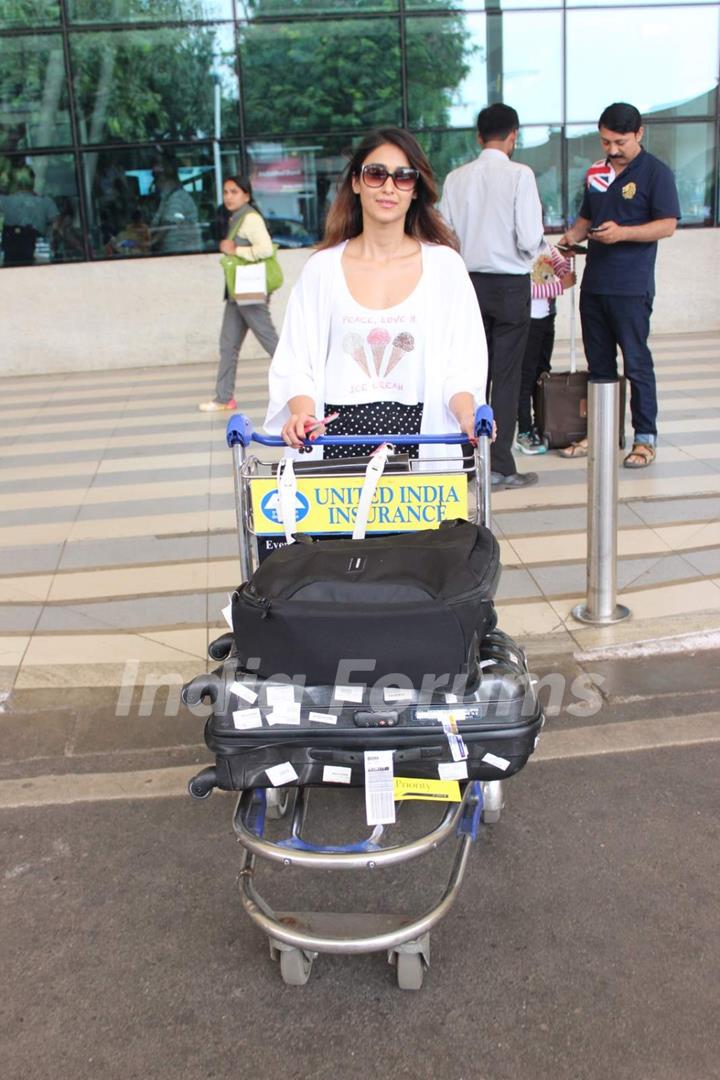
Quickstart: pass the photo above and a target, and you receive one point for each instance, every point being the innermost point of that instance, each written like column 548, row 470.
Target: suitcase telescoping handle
column 573, row 325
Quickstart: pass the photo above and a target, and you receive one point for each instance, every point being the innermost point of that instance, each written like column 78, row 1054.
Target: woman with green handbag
column 247, row 245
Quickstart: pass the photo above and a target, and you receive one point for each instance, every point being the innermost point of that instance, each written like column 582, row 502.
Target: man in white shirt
column 494, row 207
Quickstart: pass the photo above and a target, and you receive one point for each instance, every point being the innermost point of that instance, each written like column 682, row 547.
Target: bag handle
column 242, row 214
column 373, row 472
column 287, row 490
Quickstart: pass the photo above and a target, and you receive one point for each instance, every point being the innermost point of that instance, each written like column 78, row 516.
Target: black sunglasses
column 404, row 178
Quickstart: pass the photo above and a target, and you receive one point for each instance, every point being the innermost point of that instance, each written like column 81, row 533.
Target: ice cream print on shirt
column 378, row 340
column 375, row 354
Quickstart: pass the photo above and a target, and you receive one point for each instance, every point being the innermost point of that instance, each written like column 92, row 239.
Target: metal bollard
column 603, row 426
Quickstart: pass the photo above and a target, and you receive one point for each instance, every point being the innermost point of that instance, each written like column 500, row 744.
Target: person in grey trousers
column 247, row 236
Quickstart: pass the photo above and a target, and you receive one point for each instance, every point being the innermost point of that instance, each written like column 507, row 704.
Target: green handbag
column 273, row 270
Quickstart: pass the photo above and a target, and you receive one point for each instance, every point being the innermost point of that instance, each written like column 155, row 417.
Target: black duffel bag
column 415, row 603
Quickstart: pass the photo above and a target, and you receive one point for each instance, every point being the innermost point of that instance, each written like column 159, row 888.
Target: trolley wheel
column 410, row 970
column 295, row 967
column 493, row 801
column 279, row 802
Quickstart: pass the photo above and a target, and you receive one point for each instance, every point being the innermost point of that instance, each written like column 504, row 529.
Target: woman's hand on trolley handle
column 302, row 421
column 462, row 406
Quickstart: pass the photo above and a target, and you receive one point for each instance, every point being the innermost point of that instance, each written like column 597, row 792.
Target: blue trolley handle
column 240, row 432
column 240, row 435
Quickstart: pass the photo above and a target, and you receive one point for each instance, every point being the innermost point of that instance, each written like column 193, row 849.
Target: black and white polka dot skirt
column 375, row 418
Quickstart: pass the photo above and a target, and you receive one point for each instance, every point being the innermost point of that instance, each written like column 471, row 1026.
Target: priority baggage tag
column 379, row 789
column 427, row 790
column 455, row 741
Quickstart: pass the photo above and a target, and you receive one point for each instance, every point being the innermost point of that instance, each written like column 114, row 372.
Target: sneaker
column 515, row 480
column 529, row 442
column 218, row 406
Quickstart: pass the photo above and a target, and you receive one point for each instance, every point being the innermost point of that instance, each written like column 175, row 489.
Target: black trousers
column 18, row 243
column 609, row 322
column 538, row 354
column 505, row 306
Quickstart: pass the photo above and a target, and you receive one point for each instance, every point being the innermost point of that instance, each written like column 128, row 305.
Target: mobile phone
column 575, row 249
column 313, row 425
column 596, row 228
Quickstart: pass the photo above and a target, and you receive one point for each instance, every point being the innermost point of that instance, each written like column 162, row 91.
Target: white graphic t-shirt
column 374, row 355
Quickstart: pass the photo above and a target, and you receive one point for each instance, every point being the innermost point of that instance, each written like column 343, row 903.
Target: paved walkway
column 117, row 528
column 583, row 944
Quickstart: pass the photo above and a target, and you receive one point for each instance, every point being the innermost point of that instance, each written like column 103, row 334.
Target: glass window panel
column 39, row 213
column 687, row 148
column 253, row 9
column 538, row 147
column 155, row 84
column 447, row 150
column 458, row 63
column 33, row 92
column 664, row 62
column 141, row 202
column 619, row 3
column 26, row 13
column 541, row 149
column 321, row 76
column 116, row 11
column 489, row 5
column 294, row 183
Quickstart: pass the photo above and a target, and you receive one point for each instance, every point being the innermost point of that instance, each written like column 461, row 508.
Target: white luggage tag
column 373, row 472
column 287, row 490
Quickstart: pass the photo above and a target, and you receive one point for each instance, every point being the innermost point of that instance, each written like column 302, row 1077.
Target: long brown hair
column 345, row 220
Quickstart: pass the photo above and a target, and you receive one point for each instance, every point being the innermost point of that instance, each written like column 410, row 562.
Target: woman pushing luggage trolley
column 399, row 683
column 399, row 731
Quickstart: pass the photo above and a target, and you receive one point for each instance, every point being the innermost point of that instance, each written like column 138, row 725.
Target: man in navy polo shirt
column 630, row 202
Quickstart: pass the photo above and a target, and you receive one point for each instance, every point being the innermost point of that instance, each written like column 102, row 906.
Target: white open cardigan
column 455, row 350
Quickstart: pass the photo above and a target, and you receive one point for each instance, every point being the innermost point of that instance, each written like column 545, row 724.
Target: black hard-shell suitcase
column 561, row 408
column 499, row 721
column 412, row 604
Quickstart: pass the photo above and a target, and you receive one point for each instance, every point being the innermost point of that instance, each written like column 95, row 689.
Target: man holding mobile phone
column 629, row 203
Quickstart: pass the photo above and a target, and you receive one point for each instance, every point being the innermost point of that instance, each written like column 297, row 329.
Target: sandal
column 644, row 455
column 575, row 450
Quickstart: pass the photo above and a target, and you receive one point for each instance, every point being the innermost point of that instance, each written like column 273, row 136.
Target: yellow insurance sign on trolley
column 403, row 502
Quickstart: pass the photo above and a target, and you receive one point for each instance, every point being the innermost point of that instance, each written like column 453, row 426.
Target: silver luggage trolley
column 295, row 937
